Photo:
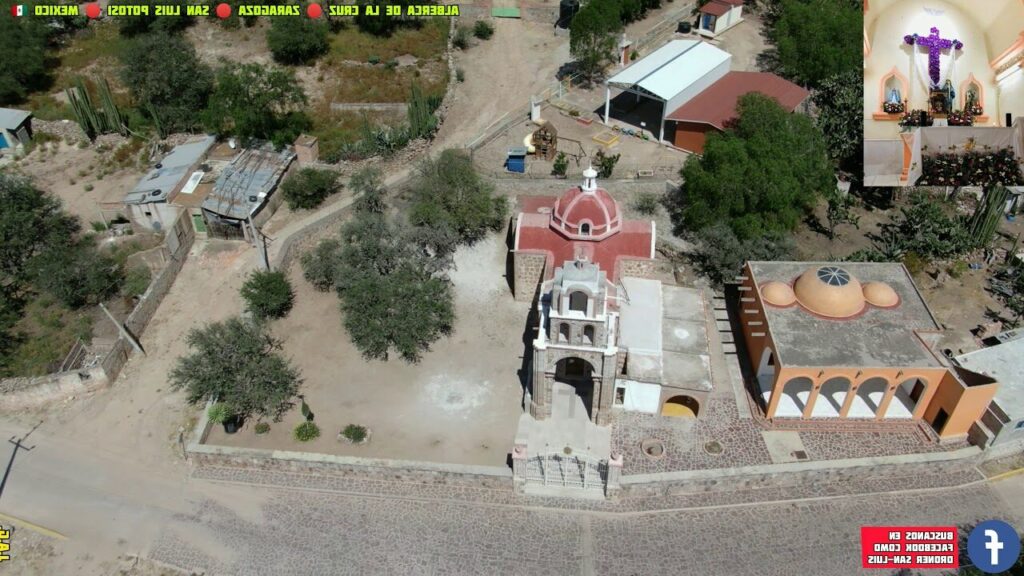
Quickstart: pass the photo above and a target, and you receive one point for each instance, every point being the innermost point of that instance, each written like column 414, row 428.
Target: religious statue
column 950, row 94
column 894, row 96
column 972, row 99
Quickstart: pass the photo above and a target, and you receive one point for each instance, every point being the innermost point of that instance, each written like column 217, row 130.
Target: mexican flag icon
column 18, row 10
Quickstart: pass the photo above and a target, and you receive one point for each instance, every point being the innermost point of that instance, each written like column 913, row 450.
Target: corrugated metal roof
column 160, row 182
column 671, row 69
column 717, row 104
column 244, row 185
column 11, row 118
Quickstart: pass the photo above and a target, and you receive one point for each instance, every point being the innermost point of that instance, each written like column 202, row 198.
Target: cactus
column 985, row 220
column 93, row 123
column 114, row 121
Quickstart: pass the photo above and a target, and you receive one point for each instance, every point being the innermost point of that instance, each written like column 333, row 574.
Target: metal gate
column 567, row 470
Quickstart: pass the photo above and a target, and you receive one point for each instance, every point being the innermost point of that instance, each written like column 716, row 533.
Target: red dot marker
column 92, row 10
column 223, row 10
column 314, row 11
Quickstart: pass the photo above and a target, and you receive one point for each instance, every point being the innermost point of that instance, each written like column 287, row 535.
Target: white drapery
column 919, row 68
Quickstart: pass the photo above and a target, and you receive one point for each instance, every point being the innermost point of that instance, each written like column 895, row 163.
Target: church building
column 940, row 75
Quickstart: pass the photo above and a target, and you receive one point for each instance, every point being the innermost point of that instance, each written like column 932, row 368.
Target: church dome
column 829, row 291
column 587, row 212
column 880, row 294
column 778, row 294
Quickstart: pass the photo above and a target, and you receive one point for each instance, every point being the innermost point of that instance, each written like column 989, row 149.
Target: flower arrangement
column 975, row 110
column 894, row 107
column 916, row 118
column 972, row 168
column 960, row 118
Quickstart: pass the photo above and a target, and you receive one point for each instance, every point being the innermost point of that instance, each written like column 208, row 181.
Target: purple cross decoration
column 934, row 43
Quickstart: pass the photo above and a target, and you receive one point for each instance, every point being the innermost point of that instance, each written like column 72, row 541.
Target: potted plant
column 894, row 107
column 220, row 413
column 960, row 118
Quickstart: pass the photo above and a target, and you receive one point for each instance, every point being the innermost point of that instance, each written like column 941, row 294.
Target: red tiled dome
column 587, row 212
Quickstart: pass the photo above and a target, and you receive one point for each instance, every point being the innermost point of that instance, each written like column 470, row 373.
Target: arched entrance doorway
column 831, row 398
column 681, row 407
column 572, row 392
column 794, row 395
column 908, row 394
column 869, row 397
column 766, row 374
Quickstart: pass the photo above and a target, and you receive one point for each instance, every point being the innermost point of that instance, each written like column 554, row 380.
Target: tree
column 368, row 187
column 483, row 29
column 268, row 294
column 309, row 187
column 448, row 192
column 380, row 24
column 76, row 275
column 145, row 24
column 838, row 212
column 23, row 44
column 297, row 40
column 840, row 117
column 318, row 266
column 561, row 165
column 816, row 38
column 719, row 255
column 761, row 176
column 257, row 102
column 172, row 91
column 31, row 222
column 594, row 35
column 238, row 363
column 606, row 163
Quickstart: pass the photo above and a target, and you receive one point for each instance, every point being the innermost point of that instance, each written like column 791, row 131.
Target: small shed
column 545, row 141
column 15, row 128
column 516, row 161
column 717, row 16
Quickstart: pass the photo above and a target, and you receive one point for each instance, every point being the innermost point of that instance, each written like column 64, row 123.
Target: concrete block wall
column 636, row 267
column 528, row 270
column 28, row 392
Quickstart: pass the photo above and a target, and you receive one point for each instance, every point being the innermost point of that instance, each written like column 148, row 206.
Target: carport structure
column 671, row 76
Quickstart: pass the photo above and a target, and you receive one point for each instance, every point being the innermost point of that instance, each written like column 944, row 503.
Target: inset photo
column 943, row 92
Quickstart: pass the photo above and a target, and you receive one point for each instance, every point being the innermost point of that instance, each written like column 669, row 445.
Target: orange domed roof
column 587, row 212
column 778, row 294
column 829, row 291
column 880, row 294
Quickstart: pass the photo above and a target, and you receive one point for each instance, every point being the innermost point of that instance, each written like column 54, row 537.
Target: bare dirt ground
column 66, row 170
column 460, row 404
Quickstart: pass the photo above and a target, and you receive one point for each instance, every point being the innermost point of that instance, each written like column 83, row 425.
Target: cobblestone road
column 308, row 533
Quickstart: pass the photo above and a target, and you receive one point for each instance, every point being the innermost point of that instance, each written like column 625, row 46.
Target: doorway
column 940, row 420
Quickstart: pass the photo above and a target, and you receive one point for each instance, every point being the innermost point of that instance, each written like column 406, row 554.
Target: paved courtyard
column 339, row 532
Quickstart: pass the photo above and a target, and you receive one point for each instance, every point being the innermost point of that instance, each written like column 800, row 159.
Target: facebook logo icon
column 993, row 546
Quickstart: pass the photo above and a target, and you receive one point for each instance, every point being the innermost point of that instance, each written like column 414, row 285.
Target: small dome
column 880, row 294
column 587, row 213
column 829, row 291
column 778, row 294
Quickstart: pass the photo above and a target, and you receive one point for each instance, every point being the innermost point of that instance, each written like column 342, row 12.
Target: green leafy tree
column 257, row 102
column 23, row 44
column 31, row 223
column 268, row 294
column 814, row 39
column 171, row 91
column 840, row 117
column 761, row 176
column 320, row 264
column 297, row 40
column 594, row 35
column 448, row 192
column 139, row 25
column 561, row 165
column 381, row 24
column 840, row 211
column 483, row 29
column 239, row 363
column 76, row 275
column 606, row 163
column 368, row 186
column 309, row 187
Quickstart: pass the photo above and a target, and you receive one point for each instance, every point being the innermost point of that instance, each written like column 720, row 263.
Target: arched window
column 563, row 333
column 585, row 229
column 578, row 301
column 588, row 335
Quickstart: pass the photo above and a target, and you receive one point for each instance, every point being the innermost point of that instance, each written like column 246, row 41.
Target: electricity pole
column 17, row 445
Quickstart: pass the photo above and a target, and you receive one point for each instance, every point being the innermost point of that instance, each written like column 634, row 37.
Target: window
column 585, row 229
column 620, row 396
column 578, row 302
column 588, row 334
column 563, row 333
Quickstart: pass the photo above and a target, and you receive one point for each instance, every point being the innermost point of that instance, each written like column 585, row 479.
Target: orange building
column 852, row 341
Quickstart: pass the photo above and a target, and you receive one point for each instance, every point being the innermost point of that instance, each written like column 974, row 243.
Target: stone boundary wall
column 17, row 393
column 303, row 240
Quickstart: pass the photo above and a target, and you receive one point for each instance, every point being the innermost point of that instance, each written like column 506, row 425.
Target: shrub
column 297, row 40
column 719, row 254
column 915, row 263
column 461, row 38
column 483, row 29
column 957, row 269
column 606, row 163
column 136, row 281
column 99, row 227
column 373, row 59
column 561, row 165
column 391, row 64
column 268, row 294
column 309, row 187
column 646, row 203
column 262, row 428
column 460, row 75
column 306, row 431
column 355, row 433
column 218, row 413
column 319, row 264
column 88, row 187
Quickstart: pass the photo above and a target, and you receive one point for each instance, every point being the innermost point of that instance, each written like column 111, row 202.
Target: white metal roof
column 1001, row 362
column 670, row 69
column 11, row 118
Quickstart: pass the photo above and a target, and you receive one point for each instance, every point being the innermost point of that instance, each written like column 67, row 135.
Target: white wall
column 887, row 50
